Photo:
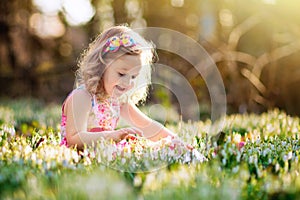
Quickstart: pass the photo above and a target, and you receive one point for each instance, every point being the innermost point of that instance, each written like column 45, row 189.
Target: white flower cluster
column 142, row 155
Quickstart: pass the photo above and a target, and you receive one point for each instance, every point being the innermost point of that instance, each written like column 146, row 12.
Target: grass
column 258, row 158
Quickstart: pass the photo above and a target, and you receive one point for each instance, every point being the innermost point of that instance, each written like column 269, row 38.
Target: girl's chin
column 117, row 93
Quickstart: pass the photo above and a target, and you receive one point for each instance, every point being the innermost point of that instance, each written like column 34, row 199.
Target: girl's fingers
column 131, row 137
column 134, row 130
column 123, row 133
column 129, row 133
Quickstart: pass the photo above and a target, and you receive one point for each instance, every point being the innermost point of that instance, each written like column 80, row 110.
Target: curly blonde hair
column 93, row 63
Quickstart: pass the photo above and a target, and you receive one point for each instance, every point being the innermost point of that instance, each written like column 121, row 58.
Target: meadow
column 255, row 157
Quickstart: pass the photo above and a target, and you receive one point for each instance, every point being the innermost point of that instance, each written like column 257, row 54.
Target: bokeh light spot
column 78, row 12
column 46, row 26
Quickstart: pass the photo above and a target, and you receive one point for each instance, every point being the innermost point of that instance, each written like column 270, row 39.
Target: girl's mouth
column 120, row 88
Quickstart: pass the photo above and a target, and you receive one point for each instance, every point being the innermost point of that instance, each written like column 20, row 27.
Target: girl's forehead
column 127, row 62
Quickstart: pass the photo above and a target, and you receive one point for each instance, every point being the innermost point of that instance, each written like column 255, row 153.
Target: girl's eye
column 120, row 74
column 133, row 77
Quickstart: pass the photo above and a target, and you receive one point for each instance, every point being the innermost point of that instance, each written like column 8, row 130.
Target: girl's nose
column 127, row 80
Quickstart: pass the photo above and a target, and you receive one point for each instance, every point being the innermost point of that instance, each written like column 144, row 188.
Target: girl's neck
column 106, row 98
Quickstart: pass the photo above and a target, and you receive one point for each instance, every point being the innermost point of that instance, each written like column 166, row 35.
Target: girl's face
column 120, row 74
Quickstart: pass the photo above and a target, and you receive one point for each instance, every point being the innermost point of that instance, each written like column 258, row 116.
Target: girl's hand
column 126, row 133
column 131, row 137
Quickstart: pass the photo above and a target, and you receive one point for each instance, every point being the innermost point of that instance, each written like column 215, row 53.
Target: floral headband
column 114, row 43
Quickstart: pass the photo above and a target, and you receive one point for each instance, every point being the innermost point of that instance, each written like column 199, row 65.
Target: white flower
column 223, row 152
column 235, row 169
column 87, row 161
column 33, row 157
column 187, row 157
column 284, row 158
column 137, row 181
column 75, row 156
column 171, row 153
column 238, row 157
column 251, row 159
column 269, row 160
column 27, row 150
column 229, row 138
column 272, row 147
column 255, row 159
column 198, row 156
column 277, row 167
column 109, row 157
column 224, row 161
column 123, row 161
column 92, row 154
column 237, row 138
column 283, row 143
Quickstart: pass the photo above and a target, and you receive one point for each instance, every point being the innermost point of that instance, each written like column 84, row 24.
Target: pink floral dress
column 103, row 116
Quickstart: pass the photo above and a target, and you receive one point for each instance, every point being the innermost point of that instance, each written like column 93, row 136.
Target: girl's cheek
column 132, row 85
column 133, row 82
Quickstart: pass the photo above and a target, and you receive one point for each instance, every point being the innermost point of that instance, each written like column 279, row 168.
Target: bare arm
column 77, row 108
column 151, row 129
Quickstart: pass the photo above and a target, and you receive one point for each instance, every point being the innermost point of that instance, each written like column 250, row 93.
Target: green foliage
column 258, row 158
column 163, row 96
column 27, row 115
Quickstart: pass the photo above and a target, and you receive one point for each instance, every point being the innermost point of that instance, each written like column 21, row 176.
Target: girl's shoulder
column 81, row 93
column 79, row 96
column 81, row 90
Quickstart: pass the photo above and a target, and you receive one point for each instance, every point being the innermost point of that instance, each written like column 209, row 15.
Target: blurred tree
column 120, row 15
column 33, row 65
column 18, row 47
column 255, row 45
column 257, row 40
column 21, row 51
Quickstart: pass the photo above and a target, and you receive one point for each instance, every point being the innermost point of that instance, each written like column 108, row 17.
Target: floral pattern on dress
column 104, row 116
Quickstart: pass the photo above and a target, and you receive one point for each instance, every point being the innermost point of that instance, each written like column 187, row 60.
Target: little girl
column 113, row 76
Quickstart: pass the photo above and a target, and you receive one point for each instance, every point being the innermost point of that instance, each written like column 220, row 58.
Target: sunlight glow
column 177, row 3
column 48, row 7
column 226, row 18
column 78, row 11
column 133, row 8
column 46, row 26
column 273, row 2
